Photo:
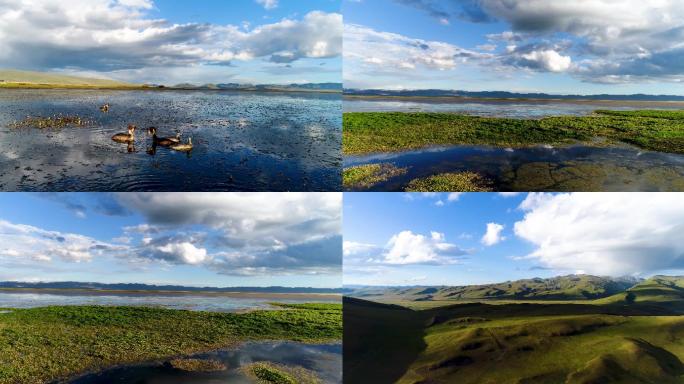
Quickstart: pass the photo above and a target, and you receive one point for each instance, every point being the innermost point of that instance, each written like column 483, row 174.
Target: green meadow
column 54, row 343
column 368, row 132
column 615, row 335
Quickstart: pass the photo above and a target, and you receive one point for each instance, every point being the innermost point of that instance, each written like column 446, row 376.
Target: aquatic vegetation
column 587, row 176
column 57, row 121
column 451, row 182
column 271, row 373
column 198, row 365
column 65, row 341
column 366, row 132
column 367, row 175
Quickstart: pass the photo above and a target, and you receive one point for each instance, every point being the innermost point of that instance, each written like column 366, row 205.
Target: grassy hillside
column 514, row 343
column 45, row 344
column 28, row 79
column 572, row 287
column 667, row 290
column 365, row 132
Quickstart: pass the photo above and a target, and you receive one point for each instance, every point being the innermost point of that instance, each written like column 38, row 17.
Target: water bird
column 183, row 147
column 125, row 137
column 105, row 108
column 163, row 141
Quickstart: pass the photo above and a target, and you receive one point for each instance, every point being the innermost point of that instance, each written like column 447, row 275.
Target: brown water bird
column 183, row 147
column 163, row 141
column 125, row 137
column 105, row 108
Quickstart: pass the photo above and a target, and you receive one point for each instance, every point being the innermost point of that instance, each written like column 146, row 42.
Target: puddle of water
column 243, row 141
column 324, row 360
column 512, row 109
column 186, row 302
column 574, row 168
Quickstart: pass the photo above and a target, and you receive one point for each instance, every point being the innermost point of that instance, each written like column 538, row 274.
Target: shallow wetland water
column 541, row 168
column 243, row 141
column 324, row 360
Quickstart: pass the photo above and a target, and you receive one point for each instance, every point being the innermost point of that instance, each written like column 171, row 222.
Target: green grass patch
column 366, row 176
column 271, row 373
column 451, row 182
column 366, row 132
column 52, row 343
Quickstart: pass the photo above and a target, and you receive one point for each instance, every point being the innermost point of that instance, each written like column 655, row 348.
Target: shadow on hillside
column 494, row 311
column 380, row 341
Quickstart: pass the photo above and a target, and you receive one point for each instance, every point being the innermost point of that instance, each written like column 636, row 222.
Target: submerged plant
column 198, row 365
column 57, row 121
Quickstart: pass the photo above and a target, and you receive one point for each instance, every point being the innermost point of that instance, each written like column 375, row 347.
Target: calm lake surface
column 187, row 302
column 243, row 141
column 324, row 360
column 513, row 109
column 543, row 168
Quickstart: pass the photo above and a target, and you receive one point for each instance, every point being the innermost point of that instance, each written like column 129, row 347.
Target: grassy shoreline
column 54, row 343
column 370, row 132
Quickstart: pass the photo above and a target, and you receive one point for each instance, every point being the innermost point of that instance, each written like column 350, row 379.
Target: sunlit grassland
column 606, row 340
column 45, row 344
column 554, row 349
column 368, row 132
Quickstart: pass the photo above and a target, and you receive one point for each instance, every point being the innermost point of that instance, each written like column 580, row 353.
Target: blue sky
column 177, row 238
column 473, row 238
column 589, row 47
column 170, row 42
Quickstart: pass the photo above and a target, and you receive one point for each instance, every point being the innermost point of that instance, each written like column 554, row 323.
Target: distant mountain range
column 571, row 287
column 305, row 87
column 505, row 95
column 11, row 78
column 166, row 288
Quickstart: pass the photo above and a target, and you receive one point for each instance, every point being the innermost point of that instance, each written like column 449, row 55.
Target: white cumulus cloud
column 25, row 243
column 493, row 234
column 605, row 233
column 119, row 39
column 407, row 247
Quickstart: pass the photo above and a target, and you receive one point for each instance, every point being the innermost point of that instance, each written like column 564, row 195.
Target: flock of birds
column 170, row 142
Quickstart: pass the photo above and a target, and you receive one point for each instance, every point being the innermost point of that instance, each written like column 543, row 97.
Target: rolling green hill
column 667, row 290
column 633, row 335
column 572, row 287
column 27, row 79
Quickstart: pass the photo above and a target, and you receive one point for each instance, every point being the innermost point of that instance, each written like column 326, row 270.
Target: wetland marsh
column 96, row 344
column 641, row 150
column 243, row 141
